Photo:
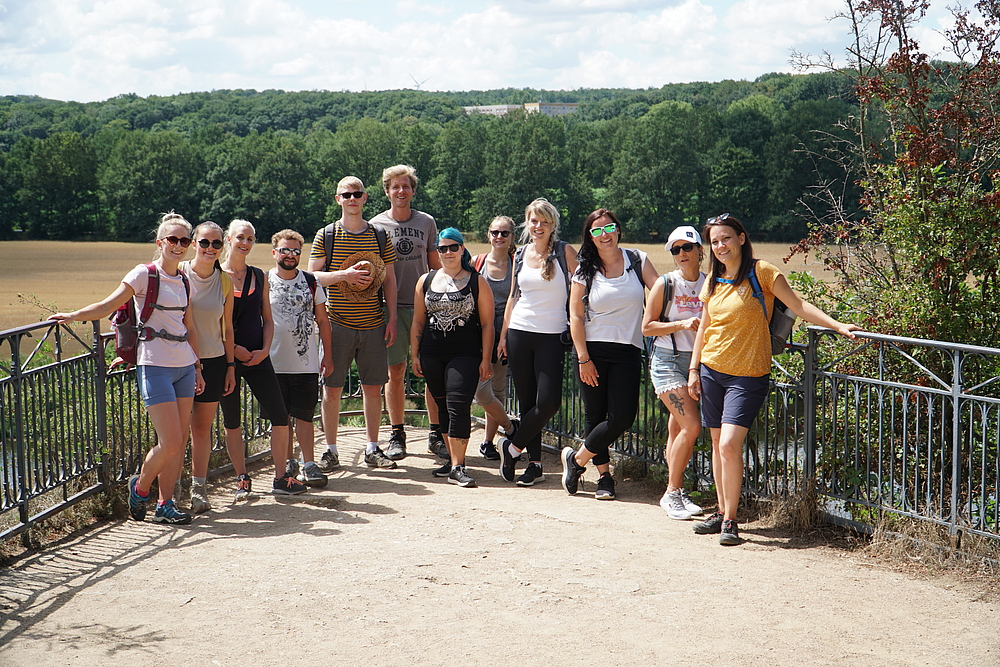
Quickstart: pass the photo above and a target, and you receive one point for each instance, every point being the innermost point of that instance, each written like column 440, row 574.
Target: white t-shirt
column 295, row 344
column 160, row 351
column 684, row 305
column 541, row 308
column 616, row 305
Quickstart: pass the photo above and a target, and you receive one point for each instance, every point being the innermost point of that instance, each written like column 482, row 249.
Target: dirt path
column 399, row 568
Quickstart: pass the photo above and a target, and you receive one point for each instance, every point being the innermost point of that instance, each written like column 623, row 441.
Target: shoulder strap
column 328, row 234
column 635, row 263
column 668, row 295
column 561, row 259
column 758, row 293
column 152, row 294
column 427, row 280
column 238, row 308
column 227, row 283
column 518, row 265
column 479, row 263
column 311, row 281
column 381, row 237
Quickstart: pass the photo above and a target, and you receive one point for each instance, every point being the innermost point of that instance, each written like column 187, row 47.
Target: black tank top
column 247, row 321
column 452, row 328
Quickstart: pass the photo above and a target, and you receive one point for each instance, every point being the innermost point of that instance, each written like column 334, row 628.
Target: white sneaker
column 690, row 505
column 674, row 504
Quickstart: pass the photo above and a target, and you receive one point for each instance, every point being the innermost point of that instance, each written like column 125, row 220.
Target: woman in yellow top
column 731, row 361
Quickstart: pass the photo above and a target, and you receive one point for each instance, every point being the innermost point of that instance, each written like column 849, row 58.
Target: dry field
column 68, row 275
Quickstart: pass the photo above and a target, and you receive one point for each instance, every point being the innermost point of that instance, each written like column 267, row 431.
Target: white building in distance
column 546, row 108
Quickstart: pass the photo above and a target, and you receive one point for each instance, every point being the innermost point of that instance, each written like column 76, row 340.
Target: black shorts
column 731, row 399
column 213, row 371
column 301, row 394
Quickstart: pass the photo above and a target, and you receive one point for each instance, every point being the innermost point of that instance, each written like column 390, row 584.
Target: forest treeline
column 657, row 157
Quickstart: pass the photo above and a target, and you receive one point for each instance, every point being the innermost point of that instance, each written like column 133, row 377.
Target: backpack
column 479, row 263
column 130, row 329
column 381, row 237
column 780, row 323
column 634, row 265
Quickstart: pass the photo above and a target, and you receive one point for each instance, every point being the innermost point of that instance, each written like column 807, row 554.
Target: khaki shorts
column 364, row 346
column 399, row 352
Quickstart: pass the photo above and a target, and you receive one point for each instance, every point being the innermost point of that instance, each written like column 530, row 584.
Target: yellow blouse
column 737, row 338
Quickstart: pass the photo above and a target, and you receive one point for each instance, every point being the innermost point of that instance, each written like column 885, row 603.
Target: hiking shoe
column 436, row 445
column 378, row 459
column 689, row 504
column 460, row 477
column 396, row 449
column 329, row 461
column 489, row 451
column 168, row 513
column 508, row 461
column 292, row 468
column 443, row 471
column 136, row 503
column 712, row 524
column 287, row 486
column 531, row 475
column 199, row 499
column 730, row 533
column 571, row 471
column 673, row 502
column 242, row 487
column 311, row 475
column 605, row 487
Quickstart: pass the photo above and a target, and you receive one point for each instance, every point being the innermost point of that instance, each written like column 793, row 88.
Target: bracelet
column 581, row 363
column 691, row 370
column 231, row 364
column 198, row 366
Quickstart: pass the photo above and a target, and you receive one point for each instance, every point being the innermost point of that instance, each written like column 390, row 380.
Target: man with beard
column 297, row 307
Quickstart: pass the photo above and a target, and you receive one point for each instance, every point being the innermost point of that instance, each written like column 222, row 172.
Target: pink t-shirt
column 160, row 351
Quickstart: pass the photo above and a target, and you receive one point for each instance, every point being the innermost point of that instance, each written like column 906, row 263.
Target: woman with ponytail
column 452, row 341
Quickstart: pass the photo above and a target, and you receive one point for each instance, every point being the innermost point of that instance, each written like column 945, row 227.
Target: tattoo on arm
column 677, row 402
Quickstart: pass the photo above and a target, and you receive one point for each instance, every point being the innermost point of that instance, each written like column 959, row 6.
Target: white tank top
column 541, row 307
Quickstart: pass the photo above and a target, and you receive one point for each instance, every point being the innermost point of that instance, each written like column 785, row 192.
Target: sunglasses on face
column 356, row 194
column 174, row 240
column 205, row 243
column 502, row 233
column 294, row 252
column 448, row 248
column 687, row 247
column 609, row 228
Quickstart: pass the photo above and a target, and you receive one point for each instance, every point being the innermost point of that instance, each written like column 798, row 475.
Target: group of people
column 394, row 289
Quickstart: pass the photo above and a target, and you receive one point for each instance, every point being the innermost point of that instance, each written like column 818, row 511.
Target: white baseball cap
column 685, row 233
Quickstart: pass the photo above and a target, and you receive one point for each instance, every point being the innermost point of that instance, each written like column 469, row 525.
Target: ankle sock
column 514, row 452
column 371, row 447
column 332, row 448
column 198, row 481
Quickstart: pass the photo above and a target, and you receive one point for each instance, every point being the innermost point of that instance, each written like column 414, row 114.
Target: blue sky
column 94, row 50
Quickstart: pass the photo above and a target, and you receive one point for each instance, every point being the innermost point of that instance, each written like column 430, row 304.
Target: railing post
column 101, row 386
column 809, row 405
column 20, row 463
column 956, row 437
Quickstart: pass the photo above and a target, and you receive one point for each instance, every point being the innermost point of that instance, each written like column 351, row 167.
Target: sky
column 94, row 50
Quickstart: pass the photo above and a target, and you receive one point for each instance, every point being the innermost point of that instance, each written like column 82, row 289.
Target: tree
column 58, row 194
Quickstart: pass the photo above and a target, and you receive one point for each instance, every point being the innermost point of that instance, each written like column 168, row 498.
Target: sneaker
column 712, row 524
column 673, row 502
column 287, row 486
column 329, row 461
column 489, row 451
column 460, row 477
column 605, row 487
column 199, row 499
column 689, row 504
column 443, row 471
column 436, row 446
column 311, row 475
column 730, row 533
column 531, row 475
column 571, row 471
column 136, row 503
column 292, row 468
column 378, row 459
column 515, row 424
column 242, row 487
column 396, row 449
column 508, row 461
column 168, row 513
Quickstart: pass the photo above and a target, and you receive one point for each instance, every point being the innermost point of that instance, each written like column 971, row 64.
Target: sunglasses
column 356, row 194
column 294, row 252
column 718, row 218
column 609, row 228
column 205, row 243
column 502, row 233
column 687, row 247
column 448, row 248
column 184, row 241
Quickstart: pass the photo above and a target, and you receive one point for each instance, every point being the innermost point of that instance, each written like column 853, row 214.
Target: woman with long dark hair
column 731, row 362
column 605, row 305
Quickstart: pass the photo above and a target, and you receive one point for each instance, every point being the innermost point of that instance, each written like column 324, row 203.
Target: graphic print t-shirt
column 295, row 345
column 412, row 240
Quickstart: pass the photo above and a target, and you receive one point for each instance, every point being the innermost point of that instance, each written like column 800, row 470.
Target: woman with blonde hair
column 167, row 366
column 535, row 334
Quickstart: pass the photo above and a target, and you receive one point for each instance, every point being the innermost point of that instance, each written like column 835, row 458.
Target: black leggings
column 264, row 385
column 536, row 367
column 452, row 382
column 611, row 406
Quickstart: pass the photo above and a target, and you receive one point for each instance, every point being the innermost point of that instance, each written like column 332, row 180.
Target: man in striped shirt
column 360, row 330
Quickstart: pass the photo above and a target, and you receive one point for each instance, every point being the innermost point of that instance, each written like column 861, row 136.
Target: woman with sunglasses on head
column 673, row 314
column 605, row 305
column 496, row 267
column 731, row 361
column 452, row 339
column 212, row 311
column 532, row 339
column 167, row 368
column 253, row 329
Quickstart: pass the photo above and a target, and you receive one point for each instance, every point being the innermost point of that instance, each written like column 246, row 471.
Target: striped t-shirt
column 360, row 315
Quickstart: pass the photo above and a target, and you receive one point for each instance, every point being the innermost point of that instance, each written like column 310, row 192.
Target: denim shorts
column 165, row 384
column 668, row 371
column 731, row 399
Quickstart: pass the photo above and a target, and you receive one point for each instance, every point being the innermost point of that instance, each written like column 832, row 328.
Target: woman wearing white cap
column 673, row 313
